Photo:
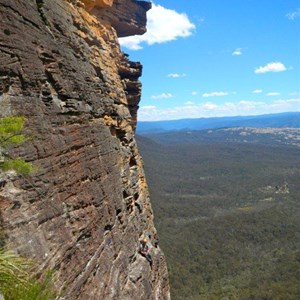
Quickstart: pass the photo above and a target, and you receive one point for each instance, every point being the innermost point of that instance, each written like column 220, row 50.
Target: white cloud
column 163, row 25
column 149, row 107
column 271, row 94
column 271, row 67
column 215, row 94
column 210, row 109
column 237, row 52
column 194, row 93
column 162, row 96
column 285, row 102
column 209, row 106
column 189, row 103
column 257, row 91
column 294, row 94
column 176, row 75
column 293, row 15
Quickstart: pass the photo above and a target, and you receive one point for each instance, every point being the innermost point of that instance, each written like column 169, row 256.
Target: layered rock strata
column 84, row 210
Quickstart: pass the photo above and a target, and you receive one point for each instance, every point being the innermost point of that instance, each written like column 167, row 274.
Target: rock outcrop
column 84, row 210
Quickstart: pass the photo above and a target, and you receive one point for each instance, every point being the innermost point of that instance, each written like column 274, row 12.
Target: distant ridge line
column 279, row 120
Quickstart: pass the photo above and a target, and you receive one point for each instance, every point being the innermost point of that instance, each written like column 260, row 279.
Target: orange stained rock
column 109, row 121
column 90, row 4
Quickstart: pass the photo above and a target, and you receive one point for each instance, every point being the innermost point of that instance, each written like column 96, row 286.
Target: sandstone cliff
column 84, row 210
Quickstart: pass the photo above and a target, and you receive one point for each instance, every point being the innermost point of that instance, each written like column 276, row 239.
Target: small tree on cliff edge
column 11, row 135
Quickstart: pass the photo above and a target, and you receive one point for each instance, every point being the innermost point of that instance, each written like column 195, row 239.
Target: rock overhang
column 128, row 17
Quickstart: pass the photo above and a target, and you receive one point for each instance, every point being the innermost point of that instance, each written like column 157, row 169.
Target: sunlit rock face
column 90, row 4
column 86, row 207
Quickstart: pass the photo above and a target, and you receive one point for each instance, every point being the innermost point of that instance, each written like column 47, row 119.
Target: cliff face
column 84, row 210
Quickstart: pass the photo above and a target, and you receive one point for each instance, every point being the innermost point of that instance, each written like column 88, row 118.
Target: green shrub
column 16, row 282
column 19, row 165
column 10, row 131
column 11, row 135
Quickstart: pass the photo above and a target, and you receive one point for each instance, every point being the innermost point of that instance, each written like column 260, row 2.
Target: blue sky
column 218, row 58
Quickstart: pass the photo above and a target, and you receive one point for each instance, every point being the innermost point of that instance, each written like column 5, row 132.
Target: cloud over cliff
column 163, row 25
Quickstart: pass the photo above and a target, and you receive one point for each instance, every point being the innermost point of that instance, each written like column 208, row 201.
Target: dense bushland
column 228, row 217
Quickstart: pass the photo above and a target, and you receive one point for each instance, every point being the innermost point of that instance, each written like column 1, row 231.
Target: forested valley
column 227, row 209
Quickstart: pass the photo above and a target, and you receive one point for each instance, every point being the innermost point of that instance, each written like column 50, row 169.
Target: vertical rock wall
column 84, row 210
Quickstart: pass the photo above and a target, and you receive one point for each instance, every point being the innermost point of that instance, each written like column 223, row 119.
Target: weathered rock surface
column 84, row 210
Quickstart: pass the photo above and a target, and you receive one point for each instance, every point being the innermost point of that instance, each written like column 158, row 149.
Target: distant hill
column 231, row 135
column 290, row 119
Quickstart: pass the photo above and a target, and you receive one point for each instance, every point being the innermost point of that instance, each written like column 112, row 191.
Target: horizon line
column 220, row 117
